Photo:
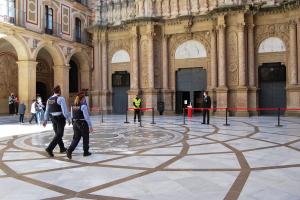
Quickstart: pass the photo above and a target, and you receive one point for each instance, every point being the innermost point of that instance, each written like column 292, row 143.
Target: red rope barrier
column 247, row 109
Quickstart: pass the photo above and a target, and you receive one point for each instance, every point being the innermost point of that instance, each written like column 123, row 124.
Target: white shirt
column 32, row 110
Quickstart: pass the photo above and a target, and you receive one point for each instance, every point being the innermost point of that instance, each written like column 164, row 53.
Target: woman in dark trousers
column 82, row 125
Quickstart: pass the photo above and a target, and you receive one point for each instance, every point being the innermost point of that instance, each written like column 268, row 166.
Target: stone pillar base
column 168, row 102
column 95, row 102
column 293, row 100
column 253, row 100
column 106, row 102
column 241, row 102
column 221, row 99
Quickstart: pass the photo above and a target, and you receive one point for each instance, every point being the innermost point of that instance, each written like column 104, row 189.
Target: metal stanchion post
column 278, row 118
column 183, row 112
column 126, row 122
column 102, row 116
column 226, row 118
column 152, row 116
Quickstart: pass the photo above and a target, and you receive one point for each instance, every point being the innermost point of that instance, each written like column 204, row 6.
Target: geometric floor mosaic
column 250, row 159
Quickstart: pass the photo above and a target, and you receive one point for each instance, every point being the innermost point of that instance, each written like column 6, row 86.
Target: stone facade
column 29, row 55
column 233, row 38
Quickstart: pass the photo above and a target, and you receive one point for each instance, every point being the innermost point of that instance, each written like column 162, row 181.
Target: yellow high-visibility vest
column 137, row 102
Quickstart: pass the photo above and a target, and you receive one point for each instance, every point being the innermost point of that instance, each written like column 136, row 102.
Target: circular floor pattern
column 251, row 159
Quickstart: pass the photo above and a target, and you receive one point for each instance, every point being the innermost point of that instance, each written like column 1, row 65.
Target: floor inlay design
column 251, row 159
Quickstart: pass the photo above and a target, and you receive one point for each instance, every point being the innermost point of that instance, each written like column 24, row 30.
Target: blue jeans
column 40, row 116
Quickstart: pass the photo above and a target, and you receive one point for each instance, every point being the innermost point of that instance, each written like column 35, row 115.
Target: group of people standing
column 13, row 104
column 56, row 110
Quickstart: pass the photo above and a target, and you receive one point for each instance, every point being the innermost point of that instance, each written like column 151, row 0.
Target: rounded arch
column 120, row 56
column 81, row 17
column 190, row 49
column 79, row 58
column 18, row 44
column 272, row 45
column 54, row 51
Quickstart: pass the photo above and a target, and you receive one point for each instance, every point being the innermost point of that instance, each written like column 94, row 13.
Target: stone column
column 213, row 62
column 141, row 12
column 27, row 81
column 165, row 62
column 298, row 48
column 61, row 77
column 252, row 90
column 293, row 90
column 222, row 56
column 105, row 93
column 293, row 54
column 222, row 90
column 135, row 62
column 104, row 65
column 167, row 93
column 242, row 56
column 242, row 90
column 151, row 59
column 96, row 75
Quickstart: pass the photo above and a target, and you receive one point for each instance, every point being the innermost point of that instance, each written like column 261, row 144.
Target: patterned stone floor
column 251, row 159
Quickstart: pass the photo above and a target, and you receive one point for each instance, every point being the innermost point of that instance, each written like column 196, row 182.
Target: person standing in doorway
column 11, row 103
column 56, row 108
column 206, row 107
column 137, row 104
column 82, row 125
column 22, row 109
column 33, row 111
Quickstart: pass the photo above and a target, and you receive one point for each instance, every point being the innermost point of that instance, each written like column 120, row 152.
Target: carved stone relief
column 144, row 63
column 9, row 73
column 232, row 58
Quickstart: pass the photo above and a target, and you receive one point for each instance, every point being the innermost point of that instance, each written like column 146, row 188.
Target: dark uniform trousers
column 205, row 113
column 59, row 123
column 81, row 129
column 137, row 112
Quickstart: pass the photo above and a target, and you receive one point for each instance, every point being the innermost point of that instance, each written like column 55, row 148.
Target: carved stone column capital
column 241, row 27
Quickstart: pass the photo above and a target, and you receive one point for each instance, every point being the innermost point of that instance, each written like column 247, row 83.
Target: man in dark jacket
column 206, row 106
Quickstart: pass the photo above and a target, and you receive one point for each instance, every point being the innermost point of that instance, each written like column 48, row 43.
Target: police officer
column 206, row 105
column 137, row 103
column 82, row 125
column 56, row 108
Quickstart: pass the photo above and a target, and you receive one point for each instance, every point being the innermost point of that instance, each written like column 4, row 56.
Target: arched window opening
column 49, row 20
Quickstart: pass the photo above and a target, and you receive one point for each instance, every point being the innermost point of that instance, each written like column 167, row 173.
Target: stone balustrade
column 114, row 12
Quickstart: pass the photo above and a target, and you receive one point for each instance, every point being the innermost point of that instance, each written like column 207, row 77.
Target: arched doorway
column 120, row 65
column 44, row 74
column 190, row 76
column 74, row 77
column 272, row 74
column 190, row 85
column 41, row 90
column 272, row 83
column 9, row 73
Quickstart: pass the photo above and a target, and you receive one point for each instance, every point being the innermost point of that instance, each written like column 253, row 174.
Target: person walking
column 82, row 125
column 206, row 106
column 11, row 103
column 39, row 110
column 33, row 111
column 56, row 108
column 22, row 109
column 137, row 103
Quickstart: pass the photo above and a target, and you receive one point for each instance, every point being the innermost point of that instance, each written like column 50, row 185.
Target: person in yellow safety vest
column 137, row 103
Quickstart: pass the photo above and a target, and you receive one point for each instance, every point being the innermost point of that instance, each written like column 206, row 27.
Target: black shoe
column 64, row 150
column 87, row 154
column 203, row 123
column 207, row 123
column 69, row 154
column 50, row 153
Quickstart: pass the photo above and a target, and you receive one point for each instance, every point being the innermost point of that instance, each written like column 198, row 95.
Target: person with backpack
column 82, row 125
